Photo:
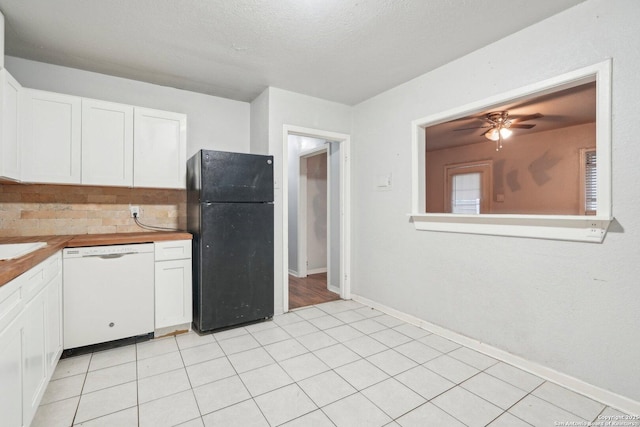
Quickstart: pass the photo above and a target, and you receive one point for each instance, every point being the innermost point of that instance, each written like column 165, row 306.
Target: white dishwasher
column 107, row 293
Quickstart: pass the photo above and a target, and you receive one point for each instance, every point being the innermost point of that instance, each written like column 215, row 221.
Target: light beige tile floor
column 334, row 364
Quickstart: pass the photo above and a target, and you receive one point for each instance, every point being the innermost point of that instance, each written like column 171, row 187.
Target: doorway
column 310, row 271
column 315, row 246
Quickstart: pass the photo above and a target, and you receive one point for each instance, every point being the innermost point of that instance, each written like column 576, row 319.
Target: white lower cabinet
column 34, row 357
column 173, row 283
column 53, row 322
column 11, row 373
column 30, row 339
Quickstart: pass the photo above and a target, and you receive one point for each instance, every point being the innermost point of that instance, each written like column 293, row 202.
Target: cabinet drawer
column 11, row 301
column 173, row 249
column 33, row 282
column 52, row 266
column 36, row 278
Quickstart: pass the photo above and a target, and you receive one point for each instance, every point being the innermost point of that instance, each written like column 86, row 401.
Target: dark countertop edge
column 10, row 269
column 126, row 238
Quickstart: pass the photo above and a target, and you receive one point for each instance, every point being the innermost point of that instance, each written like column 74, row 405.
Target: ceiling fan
column 499, row 125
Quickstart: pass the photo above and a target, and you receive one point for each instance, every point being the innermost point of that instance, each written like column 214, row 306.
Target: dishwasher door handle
column 109, row 256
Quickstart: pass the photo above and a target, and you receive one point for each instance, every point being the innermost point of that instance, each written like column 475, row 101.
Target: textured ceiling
column 340, row 50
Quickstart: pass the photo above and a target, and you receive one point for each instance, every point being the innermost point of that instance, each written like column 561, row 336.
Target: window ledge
column 554, row 227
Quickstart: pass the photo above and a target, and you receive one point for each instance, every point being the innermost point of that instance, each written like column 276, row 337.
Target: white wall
column 570, row 306
column 260, row 124
column 289, row 108
column 212, row 122
column 1, row 40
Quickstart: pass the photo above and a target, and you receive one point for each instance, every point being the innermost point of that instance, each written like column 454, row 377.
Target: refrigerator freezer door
column 235, row 277
column 236, row 177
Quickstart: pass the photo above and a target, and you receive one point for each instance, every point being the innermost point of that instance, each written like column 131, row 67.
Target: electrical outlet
column 135, row 210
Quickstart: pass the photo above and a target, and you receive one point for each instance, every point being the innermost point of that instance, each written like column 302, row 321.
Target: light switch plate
column 383, row 182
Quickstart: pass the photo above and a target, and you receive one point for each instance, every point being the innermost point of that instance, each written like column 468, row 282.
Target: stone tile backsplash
column 37, row 210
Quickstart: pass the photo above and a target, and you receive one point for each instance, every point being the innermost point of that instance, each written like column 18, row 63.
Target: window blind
column 590, row 196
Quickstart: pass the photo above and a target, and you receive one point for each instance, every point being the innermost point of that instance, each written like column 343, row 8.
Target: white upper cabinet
column 160, row 149
column 51, row 132
column 107, row 143
column 71, row 140
column 9, row 149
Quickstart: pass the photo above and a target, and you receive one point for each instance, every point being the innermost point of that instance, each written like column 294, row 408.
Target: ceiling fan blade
column 477, row 127
column 527, row 117
column 487, row 131
column 517, row 126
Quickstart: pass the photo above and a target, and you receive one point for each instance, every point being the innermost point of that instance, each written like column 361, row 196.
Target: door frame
column 345, row 201
column 303, row 254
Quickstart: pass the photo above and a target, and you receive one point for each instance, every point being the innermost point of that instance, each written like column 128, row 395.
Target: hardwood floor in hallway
column 310, row 290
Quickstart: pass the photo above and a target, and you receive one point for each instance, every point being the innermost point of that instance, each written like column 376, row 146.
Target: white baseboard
column 607, row 397
column 334, row 289
column 312, row 271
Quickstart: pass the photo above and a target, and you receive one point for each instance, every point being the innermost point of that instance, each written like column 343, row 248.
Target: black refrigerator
column 230, row 214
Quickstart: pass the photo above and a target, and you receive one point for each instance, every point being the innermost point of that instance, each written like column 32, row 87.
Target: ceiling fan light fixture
column 505, row 133
column 492, row 134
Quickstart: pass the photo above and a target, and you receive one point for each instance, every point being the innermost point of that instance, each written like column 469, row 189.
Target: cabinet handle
column 109, row 256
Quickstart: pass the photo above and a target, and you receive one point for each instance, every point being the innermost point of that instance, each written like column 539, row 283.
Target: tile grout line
column 86, row 374
column 343, row 343
column 563, row 409
column 504, row 411
column 193, row 393
column 520, row 400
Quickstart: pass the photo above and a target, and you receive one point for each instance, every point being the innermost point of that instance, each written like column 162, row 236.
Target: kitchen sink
column 16, row 250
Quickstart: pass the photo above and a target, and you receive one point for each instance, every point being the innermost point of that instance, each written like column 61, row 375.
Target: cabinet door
column 51, row 136
column 173, row 293
column 107, row 143
column 159, row 149
column 9, row 148
column 34, row 369
column 53, row 323
column 11, row 374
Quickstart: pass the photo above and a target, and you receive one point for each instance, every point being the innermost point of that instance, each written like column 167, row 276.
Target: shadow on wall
column 38, row 210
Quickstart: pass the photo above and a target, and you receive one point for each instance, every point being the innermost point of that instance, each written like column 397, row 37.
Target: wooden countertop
column 11, row 269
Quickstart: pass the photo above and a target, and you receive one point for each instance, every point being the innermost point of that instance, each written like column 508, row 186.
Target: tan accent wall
column 532, row 174
column 37, row 210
